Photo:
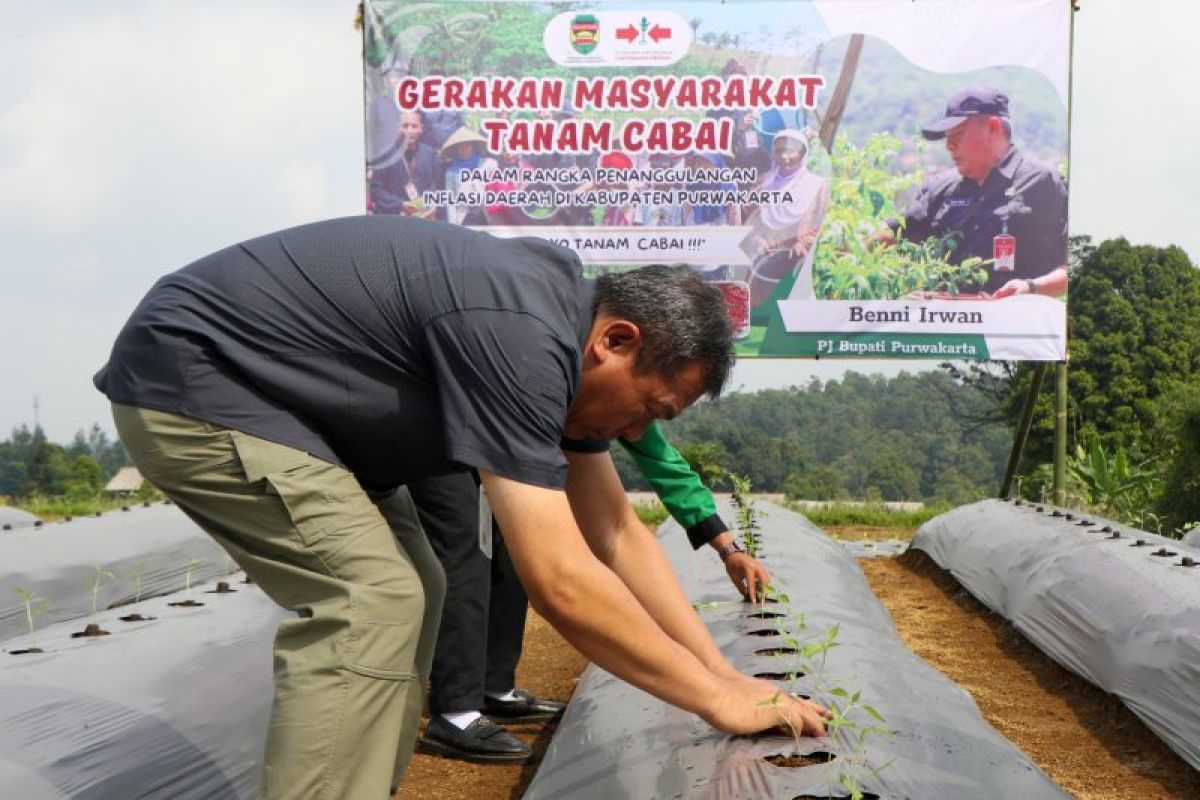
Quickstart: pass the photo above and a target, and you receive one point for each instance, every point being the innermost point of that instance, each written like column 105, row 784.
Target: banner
column 860, row 178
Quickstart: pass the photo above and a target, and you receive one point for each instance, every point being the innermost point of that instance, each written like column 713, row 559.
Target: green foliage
column 850, row 264
column 1134, row 319
column 52, row 508
column 705, row 459
column 86, row 478
column 874, row 516
column 747, row 514
column 907, row 437
column 822, row 482
column 651, row 514
column 1179, row 501
column 32, row 465
column 1112, row 483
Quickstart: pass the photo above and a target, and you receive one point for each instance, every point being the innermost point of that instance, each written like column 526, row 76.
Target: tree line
column 31, row 465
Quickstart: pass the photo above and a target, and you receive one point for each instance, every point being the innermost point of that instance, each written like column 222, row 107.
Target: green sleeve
column 679, row 488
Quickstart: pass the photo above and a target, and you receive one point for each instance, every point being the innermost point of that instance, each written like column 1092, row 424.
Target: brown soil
column 136, row 618
column 777, row 651
column 763, row 632
column 26, row 651
column 796, row 760
column 222, row 588
column 869, row 533
column 91, row 630
column 549, row 668
column 186, row 604
column 1084, row 739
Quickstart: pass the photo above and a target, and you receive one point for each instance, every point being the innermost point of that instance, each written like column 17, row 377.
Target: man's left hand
column 1014, row 287
column 747, row 574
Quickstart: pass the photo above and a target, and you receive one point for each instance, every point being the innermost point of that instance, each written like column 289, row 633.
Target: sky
column 136, row 136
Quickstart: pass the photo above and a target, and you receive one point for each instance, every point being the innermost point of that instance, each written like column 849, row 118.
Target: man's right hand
column 749, row 705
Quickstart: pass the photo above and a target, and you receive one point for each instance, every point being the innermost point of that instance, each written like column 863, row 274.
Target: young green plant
column 849, row 740
column 193, row 565
column 747, row 514
column 101, row 576
column 32, row 609
column 136, row 576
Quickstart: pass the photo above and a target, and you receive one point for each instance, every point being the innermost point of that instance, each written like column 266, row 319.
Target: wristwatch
column 1031, row 286
column 726, row 551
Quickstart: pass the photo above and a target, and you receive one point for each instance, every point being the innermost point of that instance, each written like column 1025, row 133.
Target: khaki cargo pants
column 350, row 669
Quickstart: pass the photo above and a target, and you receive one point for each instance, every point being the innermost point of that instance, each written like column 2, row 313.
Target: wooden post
column 1014, row 457
column 1060, row 437
column 841, row 92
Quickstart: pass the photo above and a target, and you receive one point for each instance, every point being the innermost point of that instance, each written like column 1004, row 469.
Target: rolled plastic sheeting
column 12, row 519
column 618, row 742
column 1107, row 609
column 1192, row 538
column 174, row 708
column 57, row 562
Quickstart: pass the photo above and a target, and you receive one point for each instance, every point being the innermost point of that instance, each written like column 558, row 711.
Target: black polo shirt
column 950, row 203
column 397, row 347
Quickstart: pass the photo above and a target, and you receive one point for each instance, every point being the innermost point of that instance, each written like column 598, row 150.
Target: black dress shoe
column 481, row 742
column 525, row 708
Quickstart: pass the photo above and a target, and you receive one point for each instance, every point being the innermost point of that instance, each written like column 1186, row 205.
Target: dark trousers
column 483, row 619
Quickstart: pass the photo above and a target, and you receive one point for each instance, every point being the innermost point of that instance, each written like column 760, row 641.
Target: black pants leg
column 448, row 506
column 506, row 619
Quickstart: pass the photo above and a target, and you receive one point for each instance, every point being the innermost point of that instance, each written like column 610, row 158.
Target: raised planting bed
column 616, row 741
column 173, row 706
column 64, row 569
column 1118, row 606
column 14, row 519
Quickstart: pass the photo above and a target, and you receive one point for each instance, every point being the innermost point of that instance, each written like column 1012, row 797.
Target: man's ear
column 618, row 337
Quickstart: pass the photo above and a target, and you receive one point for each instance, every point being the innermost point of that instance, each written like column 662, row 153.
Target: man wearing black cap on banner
column 1002, row 206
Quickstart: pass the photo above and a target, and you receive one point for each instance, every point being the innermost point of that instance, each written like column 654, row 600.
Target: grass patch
column 652, row 514
column 55, row 507
column 871, row 515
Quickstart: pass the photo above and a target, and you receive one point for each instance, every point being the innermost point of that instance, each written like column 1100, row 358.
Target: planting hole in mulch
column 1163, row 552
column 796, row 761
column 1140, row 543
column 779, row 676
column 1187, row 561
column 765, row 615
column 91, row 630
column 136, row 618
column 26, row 651
column 863, row 795
column 222, row 588
column 764, row 632
column 777, row 651
column 186, row 604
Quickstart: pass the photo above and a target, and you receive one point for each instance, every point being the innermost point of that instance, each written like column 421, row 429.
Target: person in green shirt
column 691, row 504
column 473, row 676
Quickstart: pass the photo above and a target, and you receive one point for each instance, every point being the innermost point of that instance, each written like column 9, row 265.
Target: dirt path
column 549, row 668
column 1084, row 739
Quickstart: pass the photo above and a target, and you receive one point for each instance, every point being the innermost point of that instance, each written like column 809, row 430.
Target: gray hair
column 682, row 320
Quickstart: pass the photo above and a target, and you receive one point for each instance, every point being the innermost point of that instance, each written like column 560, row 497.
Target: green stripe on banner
column 877, row 345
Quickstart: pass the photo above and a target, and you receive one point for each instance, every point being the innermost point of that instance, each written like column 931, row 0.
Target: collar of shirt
column 587, row 311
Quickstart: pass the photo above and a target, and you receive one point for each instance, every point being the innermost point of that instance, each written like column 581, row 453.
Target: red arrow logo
column 629, row 33
column 658, row 33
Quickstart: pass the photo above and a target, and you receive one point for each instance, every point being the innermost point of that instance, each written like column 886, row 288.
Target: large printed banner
column 860, row 178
